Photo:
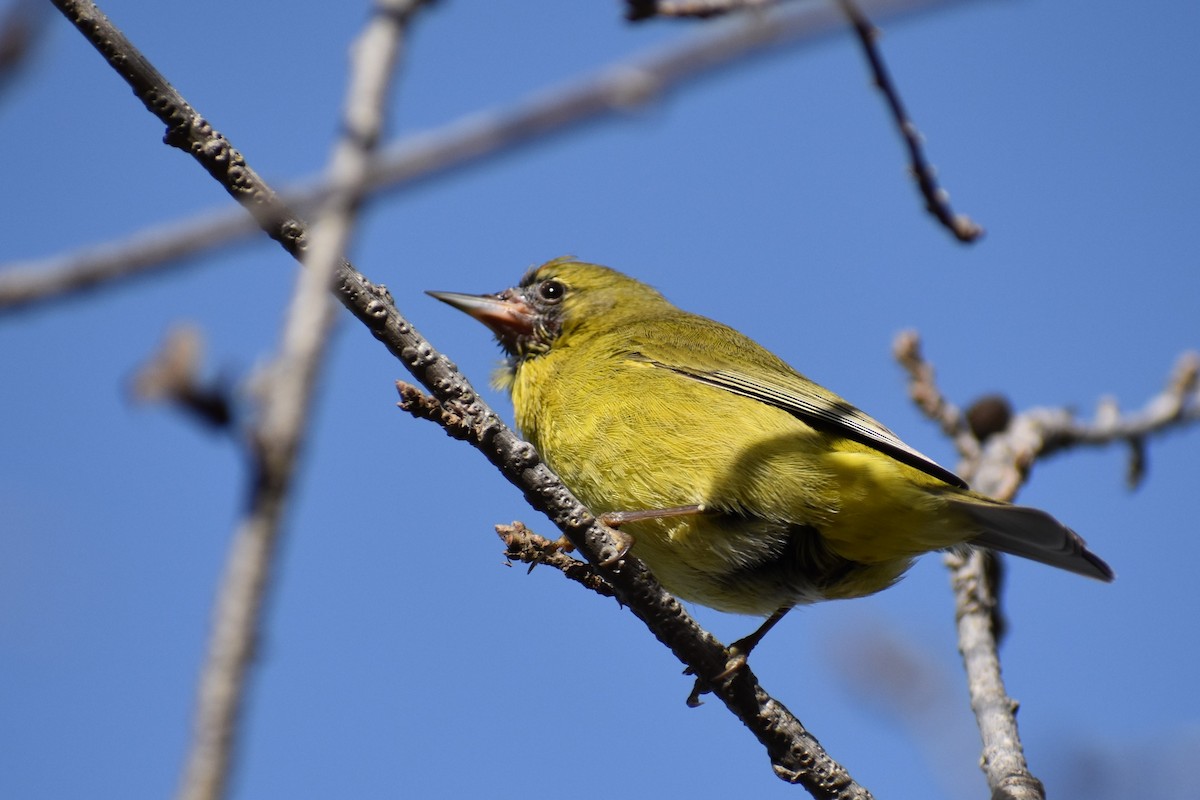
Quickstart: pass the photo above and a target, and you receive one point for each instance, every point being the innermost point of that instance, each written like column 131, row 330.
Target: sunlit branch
column 998, row 467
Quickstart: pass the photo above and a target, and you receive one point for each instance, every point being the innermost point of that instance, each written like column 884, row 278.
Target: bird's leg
column 740, row 649
column 615, row 519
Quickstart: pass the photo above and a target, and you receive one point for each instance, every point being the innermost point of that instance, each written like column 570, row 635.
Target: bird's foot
column 610, row 557
column 736, row 663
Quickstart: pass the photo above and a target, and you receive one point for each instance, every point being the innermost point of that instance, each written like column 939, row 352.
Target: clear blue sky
column 401, row 658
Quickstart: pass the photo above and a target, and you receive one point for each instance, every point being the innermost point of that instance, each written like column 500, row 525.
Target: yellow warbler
column 745, row 486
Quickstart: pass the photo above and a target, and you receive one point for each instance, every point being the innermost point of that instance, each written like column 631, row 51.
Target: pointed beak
column 506, row 313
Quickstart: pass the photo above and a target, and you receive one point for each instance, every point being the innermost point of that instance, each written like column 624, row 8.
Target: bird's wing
column 818, row 407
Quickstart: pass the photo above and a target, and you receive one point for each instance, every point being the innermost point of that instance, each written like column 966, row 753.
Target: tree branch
column 795, row 754
column 924, row 391
column 937, row 200
column 286, row 398
column 522, row 544
column 998, row 468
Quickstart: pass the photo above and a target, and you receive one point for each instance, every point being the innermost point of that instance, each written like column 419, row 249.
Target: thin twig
column 637, row 10
column 937, row 200
column 924, row 391
column 286, row 398
column 998, row 468
column 1177, row 404
column 795, row 754
column 1005, row 461
column 610, row 92
column 522, row 544
column 978, row 615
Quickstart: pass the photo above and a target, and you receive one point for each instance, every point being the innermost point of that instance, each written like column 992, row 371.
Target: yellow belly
column 793, row 515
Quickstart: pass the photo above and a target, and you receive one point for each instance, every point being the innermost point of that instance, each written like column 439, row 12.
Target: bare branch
column 923, row 390
column 796, row 755
column 522, row 544
column 937, row 200
column 286, row 398
column 423, row 406
column 23, row 284
column 998, row 468
column 1005, row 461
column 976, row 611
column 609, row 92
column 1178, row 404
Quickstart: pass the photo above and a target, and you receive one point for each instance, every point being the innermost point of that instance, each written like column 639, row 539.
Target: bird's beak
column 506, row 313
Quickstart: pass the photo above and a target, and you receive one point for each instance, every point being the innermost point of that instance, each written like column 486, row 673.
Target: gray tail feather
column 1034, row 534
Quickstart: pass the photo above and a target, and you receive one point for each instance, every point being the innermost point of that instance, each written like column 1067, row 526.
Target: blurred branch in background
column 899, row 681
column 22, row 25
column 172, row 375
column 998, row 466
column 611, row 91
column 286, row 396
column 638, row 10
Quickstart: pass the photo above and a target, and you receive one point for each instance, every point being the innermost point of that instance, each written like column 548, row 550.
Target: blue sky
column 401, row 657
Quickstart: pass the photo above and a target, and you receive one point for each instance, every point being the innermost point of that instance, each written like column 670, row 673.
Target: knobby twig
column 923, row 390
column 522, row 544
column 609, row 92
column 286, row 399
column 795, row 754
column 998, row 468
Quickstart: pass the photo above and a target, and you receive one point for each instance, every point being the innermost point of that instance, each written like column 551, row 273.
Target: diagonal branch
column 795, row 754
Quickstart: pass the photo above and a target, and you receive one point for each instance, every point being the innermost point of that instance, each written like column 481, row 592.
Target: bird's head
column 556, row 301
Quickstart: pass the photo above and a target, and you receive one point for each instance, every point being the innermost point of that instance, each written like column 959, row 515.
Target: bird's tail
column 1034, row 534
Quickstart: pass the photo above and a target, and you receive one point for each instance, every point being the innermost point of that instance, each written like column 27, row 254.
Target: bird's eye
column 551, row 291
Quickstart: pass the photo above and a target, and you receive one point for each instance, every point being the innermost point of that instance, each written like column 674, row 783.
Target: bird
column 743, row 485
